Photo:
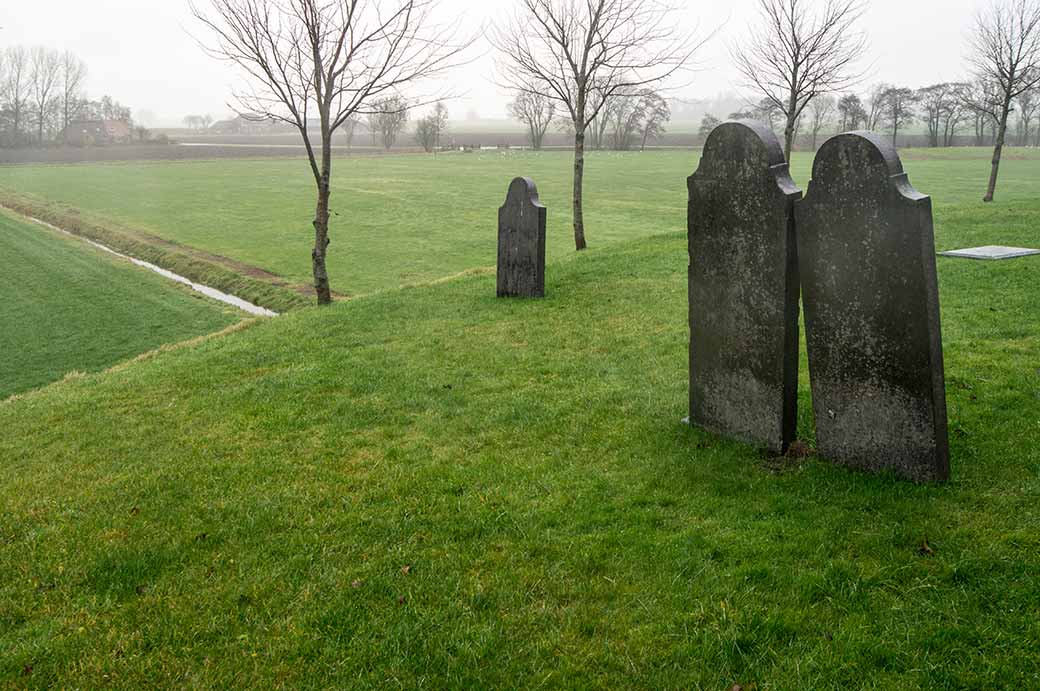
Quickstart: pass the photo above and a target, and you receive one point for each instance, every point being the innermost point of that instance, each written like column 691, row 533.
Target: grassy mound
column 432, row 487
column 70, row 307
column 182, row 260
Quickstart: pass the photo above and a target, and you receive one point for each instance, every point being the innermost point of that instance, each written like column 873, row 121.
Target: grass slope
column 67, row 306
column 434, row 488
column 409, row 219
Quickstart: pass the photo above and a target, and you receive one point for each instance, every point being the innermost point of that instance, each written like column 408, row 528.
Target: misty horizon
column 150, row 59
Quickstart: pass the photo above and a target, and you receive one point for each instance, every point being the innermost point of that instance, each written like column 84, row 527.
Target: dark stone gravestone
column 521, row 242
column 743, row 288
column 867, row 263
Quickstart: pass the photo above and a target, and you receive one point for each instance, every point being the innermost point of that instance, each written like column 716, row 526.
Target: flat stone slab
column 991, row 252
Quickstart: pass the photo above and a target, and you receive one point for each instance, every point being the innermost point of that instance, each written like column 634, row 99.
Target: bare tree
column 1006, row 53
column 821, row 110
column 656, row 112
column 936, row 102
column 389, row 116
column 349, row 127
column 708, row 124
column 876, row 113
column 898, row 109
column 624, row 118
column 1028, row 104
column 16, row 90
column 954, row 114
column 582, row 53
column 977, row 97
column 851, row 113
column 424, row 134
column 599, row 124
column 73, row 74
column 43, row 79
column 428, row 129
column 768, row 112
column 440, row 122
column 335, row 57
column 798, row 54
column 536, row 112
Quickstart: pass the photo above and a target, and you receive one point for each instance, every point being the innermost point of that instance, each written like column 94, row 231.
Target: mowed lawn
column 435, row 488
column 408, row 219
column 65, row 306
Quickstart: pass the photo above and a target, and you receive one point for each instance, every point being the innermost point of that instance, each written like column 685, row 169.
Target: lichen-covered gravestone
column 743, row 288
column 867, row 263
column 521, row 242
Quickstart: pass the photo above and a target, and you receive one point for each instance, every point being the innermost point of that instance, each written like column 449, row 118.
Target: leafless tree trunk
column 656, row 112
column 1006, row 54
column 821, row 109
column 536, row 112
column 336, row 57
column 797, row 55
column 43, row 78
column 16, row 89
column 899, row 109
column 73, row 74
column 582, row 53
column 1028, row 102
column 876, row 114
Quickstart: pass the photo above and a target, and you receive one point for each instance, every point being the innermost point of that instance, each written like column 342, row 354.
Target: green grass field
column 409, row 219
column 69, row 307
column 434, row 488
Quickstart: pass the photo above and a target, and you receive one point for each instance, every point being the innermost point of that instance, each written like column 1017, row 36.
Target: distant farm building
column 249, row 125
column 98, row 132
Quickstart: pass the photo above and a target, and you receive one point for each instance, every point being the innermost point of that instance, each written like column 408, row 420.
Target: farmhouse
column 101, row 132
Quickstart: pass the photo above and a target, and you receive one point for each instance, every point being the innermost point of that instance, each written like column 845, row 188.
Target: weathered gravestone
column 521, row 242
column 743, row 288
column 867, row 263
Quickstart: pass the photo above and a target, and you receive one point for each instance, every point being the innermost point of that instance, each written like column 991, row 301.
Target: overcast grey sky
column 143, row 54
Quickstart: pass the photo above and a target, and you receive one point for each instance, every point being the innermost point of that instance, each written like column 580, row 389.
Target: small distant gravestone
column 521, row 242
column 867, row 263
column 743, row 288
column 991, row 252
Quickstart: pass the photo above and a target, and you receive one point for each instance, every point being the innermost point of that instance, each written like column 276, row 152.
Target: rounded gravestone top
column 856, row 156
column 734, row 138
column 522, row 189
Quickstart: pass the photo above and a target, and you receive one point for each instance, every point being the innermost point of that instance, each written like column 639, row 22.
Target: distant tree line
column 627, row 120
column 42, row 92
column 947, row 113
column 801, row 62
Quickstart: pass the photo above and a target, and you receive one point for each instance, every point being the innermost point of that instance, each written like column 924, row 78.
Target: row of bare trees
column 948, row 113
column 584, row 55
column 41, row 92
column 626, row 120
column 799, row 54
column 593, row 62
column 198, row 123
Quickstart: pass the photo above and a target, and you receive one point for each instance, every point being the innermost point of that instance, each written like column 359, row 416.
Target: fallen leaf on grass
column 406, row 569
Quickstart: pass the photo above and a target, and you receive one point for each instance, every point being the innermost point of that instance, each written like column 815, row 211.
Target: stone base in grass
column 991, row 252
